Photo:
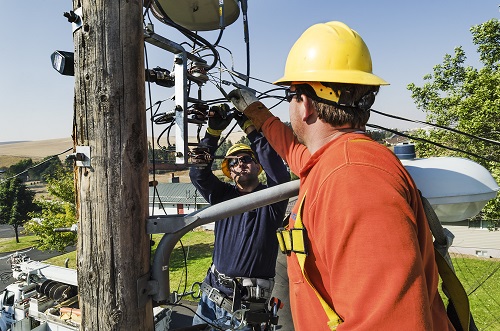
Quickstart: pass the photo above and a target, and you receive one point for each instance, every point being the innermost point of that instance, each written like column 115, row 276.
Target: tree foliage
column 467, row 99
column 28, row 170
column 57, row 212
column 220, row 153
column 16, row 202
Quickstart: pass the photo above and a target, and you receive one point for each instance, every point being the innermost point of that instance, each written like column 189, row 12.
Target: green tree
column 220, row 153
column 466, row 99
column 57, row 212
column 16, row 202
column 20, row 168
column 46, row 168
column 28, row 170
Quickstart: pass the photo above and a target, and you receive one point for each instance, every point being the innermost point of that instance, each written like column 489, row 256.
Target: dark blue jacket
column 245, row 244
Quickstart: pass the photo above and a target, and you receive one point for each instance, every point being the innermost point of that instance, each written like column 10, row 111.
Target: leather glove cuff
column 213, row 132
column 258, row 114
column 245, row 125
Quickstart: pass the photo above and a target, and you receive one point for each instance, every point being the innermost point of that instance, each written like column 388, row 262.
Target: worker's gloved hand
column 242, row 98
column 243, row 121
column 218, row 119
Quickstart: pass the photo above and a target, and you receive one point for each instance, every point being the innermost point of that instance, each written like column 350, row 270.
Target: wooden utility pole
column 112, row 180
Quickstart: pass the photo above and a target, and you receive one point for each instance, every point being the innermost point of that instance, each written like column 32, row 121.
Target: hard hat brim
column 333, row 76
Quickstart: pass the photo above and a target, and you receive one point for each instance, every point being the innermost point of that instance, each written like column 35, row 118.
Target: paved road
column 33, row 254
column 7, row 231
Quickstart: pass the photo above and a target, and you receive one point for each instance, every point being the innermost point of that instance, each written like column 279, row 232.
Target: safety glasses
column 237, row 159
column 289, row 95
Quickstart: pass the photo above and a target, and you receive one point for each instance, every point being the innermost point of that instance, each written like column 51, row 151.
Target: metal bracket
column 81, row 157
column 75, row 18
column 79, row 21
column 145, row 289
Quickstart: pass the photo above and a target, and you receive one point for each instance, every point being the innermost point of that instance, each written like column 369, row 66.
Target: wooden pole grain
column 112, row 193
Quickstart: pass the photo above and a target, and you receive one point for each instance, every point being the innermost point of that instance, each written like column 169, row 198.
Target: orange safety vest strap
column 294, row 240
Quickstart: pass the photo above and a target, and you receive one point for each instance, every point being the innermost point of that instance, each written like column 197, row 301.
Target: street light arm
column 177, row 226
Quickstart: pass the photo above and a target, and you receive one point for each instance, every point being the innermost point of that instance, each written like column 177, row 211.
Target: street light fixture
column 63, row 62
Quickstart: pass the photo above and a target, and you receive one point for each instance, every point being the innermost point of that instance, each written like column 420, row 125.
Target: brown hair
column 352, row 108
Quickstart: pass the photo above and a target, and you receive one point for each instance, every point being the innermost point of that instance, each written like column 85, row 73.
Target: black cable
column 189, row 34
column 437, row 126
column 226, row 136
column 161, row 134
column 34, row 166
column 432, row 142
column 482, row 282
column 219, row 37
column 153, row 156
column 185, row 270
column 146, row 11
column 244, row 10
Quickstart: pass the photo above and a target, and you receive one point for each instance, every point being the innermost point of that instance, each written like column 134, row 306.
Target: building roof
column 184, row 193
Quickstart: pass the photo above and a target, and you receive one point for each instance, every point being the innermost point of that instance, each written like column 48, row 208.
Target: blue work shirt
column 245, row 244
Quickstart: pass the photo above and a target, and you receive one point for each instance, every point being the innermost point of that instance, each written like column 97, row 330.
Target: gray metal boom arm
column 176, row 226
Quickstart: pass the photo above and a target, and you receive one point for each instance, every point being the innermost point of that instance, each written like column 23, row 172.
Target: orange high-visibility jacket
column 371, row 255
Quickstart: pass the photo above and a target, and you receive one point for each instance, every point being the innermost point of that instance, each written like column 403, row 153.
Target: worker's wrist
column 213, row 132
column 258, row 114
column 245, row 125
column 251, row 128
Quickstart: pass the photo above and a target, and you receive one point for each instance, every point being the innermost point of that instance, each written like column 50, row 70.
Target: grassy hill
column 13, row 152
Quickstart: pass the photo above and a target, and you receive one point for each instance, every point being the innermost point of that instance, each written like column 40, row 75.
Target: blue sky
column 406, row 39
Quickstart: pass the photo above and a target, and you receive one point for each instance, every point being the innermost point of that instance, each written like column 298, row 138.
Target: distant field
column 8, row 160
column 12, row 153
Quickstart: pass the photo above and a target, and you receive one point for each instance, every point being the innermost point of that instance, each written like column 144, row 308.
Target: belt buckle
column 215, row 297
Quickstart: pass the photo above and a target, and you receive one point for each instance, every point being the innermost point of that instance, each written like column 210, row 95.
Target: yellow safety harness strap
column 454, row 291
column 452, row 287
column 294, row 240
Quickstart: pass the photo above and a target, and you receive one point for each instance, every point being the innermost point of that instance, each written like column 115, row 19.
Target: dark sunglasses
column 236, row 160
column 289, row 95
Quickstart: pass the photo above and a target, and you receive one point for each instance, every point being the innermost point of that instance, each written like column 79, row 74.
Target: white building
column 175, row 199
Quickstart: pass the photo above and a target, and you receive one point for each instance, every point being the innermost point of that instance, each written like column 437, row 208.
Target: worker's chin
column 242, row 178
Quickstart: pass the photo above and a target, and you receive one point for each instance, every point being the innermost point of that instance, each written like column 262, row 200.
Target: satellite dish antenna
column 457, row 188
column 198, row 15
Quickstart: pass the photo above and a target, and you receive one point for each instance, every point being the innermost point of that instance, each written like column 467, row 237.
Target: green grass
column 198, row 246
column 479, row 276
column 10, row 244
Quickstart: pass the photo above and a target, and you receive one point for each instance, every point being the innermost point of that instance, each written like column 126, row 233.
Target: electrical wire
column 150, row 99
column 432, row 142
column 437, row 126
column 194, row 312
column 34, row 166
column 188, row 33
column 216, row 80
column 484, row 280
column 464, row 269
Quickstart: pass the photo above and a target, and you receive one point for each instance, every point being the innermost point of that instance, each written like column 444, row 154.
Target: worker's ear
column 309, row 111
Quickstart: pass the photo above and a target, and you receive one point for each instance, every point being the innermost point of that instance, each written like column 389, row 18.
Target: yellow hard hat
column 236, row 148
column 329, row 52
